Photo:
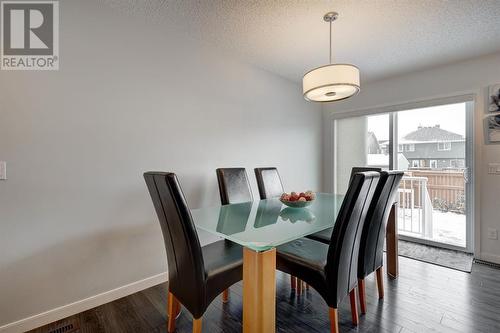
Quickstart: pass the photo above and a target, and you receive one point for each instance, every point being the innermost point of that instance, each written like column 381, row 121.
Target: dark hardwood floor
column 425, row 298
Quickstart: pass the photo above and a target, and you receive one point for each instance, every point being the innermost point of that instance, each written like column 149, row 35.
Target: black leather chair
column 356, row 170
column 233, row 185
column 196, row 274
column 270, row 186
column 325, row 235
column 268, row 182
column 233, row 188
column 331, row 268
column 373, row 236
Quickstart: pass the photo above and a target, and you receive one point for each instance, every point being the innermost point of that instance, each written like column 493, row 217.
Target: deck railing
column 422, row 191
column 415, row 213
column 446, row 188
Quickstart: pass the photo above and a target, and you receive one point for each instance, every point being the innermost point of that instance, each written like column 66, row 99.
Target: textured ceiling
column 382, row 37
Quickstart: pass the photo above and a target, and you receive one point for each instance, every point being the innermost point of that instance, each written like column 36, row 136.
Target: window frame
column 446, row 145
column 467, row 97
column 411, row 147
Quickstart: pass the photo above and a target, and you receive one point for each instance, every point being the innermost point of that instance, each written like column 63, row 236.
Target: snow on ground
column 447, row 227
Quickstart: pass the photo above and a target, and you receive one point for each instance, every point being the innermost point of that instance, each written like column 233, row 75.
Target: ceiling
column 382, row 37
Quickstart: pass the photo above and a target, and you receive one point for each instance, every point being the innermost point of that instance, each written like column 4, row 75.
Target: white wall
column 75, row 216
column 461, row 78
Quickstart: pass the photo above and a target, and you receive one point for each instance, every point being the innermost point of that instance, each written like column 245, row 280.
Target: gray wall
column 75, row 216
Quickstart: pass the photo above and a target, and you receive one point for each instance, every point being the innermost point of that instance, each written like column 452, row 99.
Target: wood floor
column 426, row 298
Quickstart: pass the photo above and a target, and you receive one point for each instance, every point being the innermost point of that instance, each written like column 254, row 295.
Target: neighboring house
column 373, row 144
column 434, row 148
column 384, row 146
column 378, row 153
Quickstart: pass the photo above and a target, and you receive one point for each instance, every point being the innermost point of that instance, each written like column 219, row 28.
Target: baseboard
column 490, row 257
column 67, row 310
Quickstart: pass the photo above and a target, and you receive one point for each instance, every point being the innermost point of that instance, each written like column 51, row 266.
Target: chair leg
column 299, row 286
column 197, row 325
column 362, row 295
column 354, row 307
column 225, row 296
column 177, row 309
column 293, row 282
column 380, row 282
column 173, row 310
column 334, row 320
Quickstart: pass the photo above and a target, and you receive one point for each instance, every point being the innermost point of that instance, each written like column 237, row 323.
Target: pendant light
column 331, row 82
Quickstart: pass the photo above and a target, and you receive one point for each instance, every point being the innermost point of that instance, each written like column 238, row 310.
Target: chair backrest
column 268, row 182
column 233, row 185
column 355, row 170
column 186, row 268
column 373, row 235
column 342, row 261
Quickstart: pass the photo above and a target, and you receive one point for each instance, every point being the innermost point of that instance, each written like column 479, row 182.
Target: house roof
column 432, row 133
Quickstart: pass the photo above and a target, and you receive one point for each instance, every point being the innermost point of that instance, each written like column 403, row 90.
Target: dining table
column 262, row 225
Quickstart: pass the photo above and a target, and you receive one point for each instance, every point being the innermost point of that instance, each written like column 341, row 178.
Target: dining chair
column 331, row 268
column 325, row 235
column 355, row 170
column 196, row 275
column 270, row 186
column 373, row 234
column 233, row 185
column 268, row 182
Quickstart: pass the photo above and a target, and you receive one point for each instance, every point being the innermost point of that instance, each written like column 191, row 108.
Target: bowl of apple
column 298, row 200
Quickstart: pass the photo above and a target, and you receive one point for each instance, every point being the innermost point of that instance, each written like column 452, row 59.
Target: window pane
column 378, row 141
column 360, row 141
column 432, row 192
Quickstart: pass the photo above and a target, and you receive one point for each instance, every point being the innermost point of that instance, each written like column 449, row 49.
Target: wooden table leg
column 259, row 291
column 392, row 243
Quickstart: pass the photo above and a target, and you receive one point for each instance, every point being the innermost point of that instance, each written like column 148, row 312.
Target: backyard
column 432, row 205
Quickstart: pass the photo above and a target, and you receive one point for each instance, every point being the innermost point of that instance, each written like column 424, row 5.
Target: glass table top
column 264, row 224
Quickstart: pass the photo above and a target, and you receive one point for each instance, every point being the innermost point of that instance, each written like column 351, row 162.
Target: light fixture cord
column 330, row 41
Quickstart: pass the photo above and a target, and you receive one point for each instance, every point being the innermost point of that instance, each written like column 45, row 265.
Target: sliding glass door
column 431, row 146
column 360, row 141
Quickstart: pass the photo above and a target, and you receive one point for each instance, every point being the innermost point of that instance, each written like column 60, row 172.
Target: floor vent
column 487, row 263
column 65, row 327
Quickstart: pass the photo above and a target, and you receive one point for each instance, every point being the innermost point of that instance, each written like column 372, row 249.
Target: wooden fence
column 446, row 188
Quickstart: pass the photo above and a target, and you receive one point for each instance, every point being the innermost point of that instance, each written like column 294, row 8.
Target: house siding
column 428, row 151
